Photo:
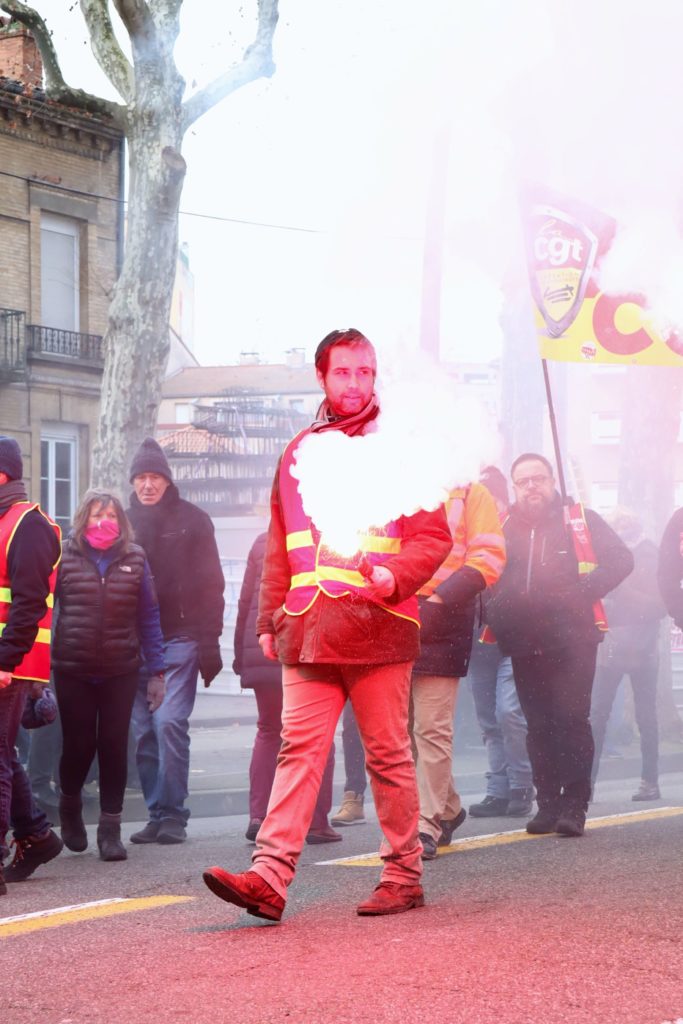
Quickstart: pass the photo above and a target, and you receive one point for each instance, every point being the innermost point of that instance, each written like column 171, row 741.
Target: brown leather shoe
column 247, row 890
column 392, row 898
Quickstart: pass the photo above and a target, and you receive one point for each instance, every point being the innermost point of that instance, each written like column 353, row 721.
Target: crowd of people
column 543, row 605
column 121, row 617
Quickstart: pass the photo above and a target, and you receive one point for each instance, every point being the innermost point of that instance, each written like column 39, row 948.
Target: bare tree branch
column 136, row 16
column 257, row 62
column 109, row 54
column 55, row 86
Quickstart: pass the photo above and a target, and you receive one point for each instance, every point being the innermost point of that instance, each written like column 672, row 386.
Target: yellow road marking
column 372, row 860
column 58, row 916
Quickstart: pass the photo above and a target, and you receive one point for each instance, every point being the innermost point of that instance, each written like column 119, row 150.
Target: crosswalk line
column 21, row 924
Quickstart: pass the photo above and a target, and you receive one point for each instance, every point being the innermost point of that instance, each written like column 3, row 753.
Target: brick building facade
column 61, row 236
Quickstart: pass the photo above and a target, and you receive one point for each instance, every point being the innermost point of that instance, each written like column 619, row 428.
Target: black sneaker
column 148, row 834
column 490, row 807
column 171, row 831
column 449, row 827
column 428, row 846
column 520, row 803
column 31, row 853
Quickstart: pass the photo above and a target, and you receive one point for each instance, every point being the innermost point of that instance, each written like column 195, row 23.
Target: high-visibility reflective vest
column 35, row 664
column 477, row 537
column 316, row 568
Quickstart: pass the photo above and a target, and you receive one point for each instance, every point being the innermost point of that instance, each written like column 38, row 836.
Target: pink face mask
column 103, row 534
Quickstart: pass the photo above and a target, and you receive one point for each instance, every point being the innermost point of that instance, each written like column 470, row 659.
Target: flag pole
column 553, row 428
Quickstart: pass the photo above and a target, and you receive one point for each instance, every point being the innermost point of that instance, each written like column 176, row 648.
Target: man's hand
column 381, row 584
column 210, row 661
column 156, row 691
column 5, row 679
column 268, row 646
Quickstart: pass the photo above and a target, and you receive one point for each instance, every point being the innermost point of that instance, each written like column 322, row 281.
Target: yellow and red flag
column 576, row 322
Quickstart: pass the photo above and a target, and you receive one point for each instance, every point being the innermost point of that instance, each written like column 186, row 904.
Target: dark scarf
column 148, row 520
column 350, row 425
column 10, row 493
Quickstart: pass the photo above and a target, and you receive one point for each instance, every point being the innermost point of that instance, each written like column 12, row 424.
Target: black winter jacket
column 250, row 663
column 97, row 622
column 179, row 541
column 540, row 602
column 670, row 568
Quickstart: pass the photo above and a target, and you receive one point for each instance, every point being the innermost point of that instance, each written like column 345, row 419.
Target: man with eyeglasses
column 545, row 613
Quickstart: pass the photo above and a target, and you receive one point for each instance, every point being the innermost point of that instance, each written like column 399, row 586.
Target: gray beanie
column 10, row 458
column 150, row 458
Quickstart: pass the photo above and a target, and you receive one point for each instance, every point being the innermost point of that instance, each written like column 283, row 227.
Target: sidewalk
column 223, row 729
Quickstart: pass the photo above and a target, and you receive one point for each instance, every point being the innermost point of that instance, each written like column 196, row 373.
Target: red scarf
column 350, row 425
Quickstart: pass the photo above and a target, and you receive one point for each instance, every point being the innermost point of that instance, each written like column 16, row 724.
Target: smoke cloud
column 428, row 440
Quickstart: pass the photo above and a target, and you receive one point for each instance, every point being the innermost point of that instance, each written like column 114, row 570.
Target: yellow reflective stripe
column 303, row 579
column 330, row 573
column 380, row 545
column 299, row 539
column 42, row 637
column 585, row 567
column 6, row 597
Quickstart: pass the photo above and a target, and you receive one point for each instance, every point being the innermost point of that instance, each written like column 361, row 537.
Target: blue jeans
column 501, row 719
column 163, row 738
column 642, row 671
column 16, row 802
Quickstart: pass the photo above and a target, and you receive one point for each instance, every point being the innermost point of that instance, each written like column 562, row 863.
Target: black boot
column 546, row 817
column 109, row 837
column 572, row 817
column 71, row 822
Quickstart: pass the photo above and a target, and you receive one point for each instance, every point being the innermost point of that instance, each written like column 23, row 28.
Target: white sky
column 341, row 142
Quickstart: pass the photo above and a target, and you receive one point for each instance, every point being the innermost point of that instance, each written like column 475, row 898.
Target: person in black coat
column 179, row 541
column 542, row 612
column 634, row 611
column 264, row 677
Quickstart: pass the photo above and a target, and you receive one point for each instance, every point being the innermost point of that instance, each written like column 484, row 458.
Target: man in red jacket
column 339, row 635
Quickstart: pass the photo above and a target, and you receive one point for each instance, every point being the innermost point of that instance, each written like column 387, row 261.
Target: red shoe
column 247, row 890
column 392, row 898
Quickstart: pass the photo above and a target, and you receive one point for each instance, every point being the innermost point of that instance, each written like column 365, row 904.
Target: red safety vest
column 35, row 664
column 317, row 569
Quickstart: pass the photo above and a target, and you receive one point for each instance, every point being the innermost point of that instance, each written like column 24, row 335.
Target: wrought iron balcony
column 54, row 341
column 12, row 347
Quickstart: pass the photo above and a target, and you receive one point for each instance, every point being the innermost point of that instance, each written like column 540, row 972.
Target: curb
column 218, row 803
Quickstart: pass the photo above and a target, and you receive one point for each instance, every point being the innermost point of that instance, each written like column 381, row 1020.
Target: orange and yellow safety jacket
column 36, row 663
column 477, row 533
column 317, row 569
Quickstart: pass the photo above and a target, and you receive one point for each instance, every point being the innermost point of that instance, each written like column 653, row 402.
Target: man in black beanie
column 180, row 545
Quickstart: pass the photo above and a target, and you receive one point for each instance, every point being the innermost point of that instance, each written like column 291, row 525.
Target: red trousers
column 313, row 698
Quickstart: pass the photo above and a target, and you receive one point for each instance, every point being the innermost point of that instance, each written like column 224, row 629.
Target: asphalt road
column 515, row 930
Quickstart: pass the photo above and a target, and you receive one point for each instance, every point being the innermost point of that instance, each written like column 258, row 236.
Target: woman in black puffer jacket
column 264, row 677
column 108, row 616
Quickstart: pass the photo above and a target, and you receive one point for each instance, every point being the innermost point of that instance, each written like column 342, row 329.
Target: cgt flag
column 576, row 322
